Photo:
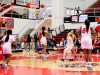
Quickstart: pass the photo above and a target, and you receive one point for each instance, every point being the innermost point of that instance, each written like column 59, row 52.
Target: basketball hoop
column 32, row 5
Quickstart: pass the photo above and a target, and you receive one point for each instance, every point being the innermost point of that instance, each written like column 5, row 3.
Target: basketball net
column 33, row 8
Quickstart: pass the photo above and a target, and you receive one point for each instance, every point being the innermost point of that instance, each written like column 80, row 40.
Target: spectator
column 39, row 48
column 32, row 42
column 79, row 48
column 49, row 43
column 0, row 37
column 37, row 14
column 95, row 47
column 28, row 42
column 98, row 46
column 25, row 41
column 98, row 29
column 35, row 41
column 62, row 42
column 50, row 32
column 18, row 42
column 77, row 10
column 53, row 42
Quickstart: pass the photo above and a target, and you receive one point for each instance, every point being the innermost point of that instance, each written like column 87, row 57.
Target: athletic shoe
column 41, row 57
column 89, row 68
column 6, row 67
column 62, row 59
column 70, row 60
column 1, row 65
column 80, row 58
column 44, row 58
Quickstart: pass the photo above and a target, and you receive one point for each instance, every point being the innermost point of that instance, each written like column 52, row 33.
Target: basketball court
column 30, row 63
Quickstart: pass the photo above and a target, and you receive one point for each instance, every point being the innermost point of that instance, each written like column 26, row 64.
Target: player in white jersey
column 68, row 47
column 7, row 40
column 44, row 40
column 86, row 42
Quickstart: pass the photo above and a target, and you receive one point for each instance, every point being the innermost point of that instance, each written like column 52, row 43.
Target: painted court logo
column 10, row 23
column 77, row 65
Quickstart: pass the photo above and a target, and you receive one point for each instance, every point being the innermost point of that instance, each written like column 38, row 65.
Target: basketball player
column 86, row 42
column 44, row 40
column 74, row 40
column 7, row 40
column 68, row 47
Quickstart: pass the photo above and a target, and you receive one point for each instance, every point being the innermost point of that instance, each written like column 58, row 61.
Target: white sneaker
column 6, row 67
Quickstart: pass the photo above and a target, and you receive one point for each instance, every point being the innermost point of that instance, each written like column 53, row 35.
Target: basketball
column 42, row 5
column 12, row 3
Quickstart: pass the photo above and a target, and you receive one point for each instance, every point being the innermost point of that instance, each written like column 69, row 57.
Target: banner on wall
column 97, row 19
column 7, row 23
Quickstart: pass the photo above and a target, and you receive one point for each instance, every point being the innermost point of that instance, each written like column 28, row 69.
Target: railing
column 93, row 12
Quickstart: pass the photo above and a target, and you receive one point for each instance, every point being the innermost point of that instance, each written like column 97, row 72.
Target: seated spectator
column 61, row 46
column 49, row 43
column 53, row 42
column 18, row 42
column 62, row 42
column 25, row 41
column 39, row 48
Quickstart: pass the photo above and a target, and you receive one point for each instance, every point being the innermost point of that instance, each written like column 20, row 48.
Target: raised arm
column 47, row 24
column 77, row 32
column 39, row 31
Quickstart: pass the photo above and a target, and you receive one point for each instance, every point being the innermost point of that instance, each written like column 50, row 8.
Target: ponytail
column 7, row 38
column 43, row 29
column 87, row 23
column 8, row 33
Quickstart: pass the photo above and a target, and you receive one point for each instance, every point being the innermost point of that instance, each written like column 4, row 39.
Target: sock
column 44, row 55
column 2, row 62
column 90, row 64
column 5, row 65
column 64, row 58
column 87, row 63
column 41, row 54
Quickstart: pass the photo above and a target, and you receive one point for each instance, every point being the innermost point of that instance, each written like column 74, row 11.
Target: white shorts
column 6, row 50
column 69, row 48
column 86, row 43
column 43, row 41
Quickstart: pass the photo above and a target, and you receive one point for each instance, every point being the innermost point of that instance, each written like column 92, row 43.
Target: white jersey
column 9, row 42
column 68, row 41
column 84, row 33
column 7, row 45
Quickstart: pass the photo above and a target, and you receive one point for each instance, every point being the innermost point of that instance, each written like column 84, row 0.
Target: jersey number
column 83, row 31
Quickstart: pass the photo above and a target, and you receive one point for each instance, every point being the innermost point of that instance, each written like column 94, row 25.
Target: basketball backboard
column 24, row 3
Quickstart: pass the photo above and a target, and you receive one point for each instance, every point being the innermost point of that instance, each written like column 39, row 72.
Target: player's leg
column 74, row 52
column 7, row 60
column 4, row 58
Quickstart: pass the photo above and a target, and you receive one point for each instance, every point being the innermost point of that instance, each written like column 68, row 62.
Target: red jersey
column 25, row 40
column 62, row 41
column 98, row 28
column 95, row 45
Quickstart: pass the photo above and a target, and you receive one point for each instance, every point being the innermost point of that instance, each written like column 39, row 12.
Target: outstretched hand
column 48, row 21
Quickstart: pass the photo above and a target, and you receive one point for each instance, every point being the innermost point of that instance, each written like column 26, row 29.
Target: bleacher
column 94, row 8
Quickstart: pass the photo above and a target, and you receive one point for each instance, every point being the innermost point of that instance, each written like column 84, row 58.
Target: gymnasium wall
column 77, row 25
